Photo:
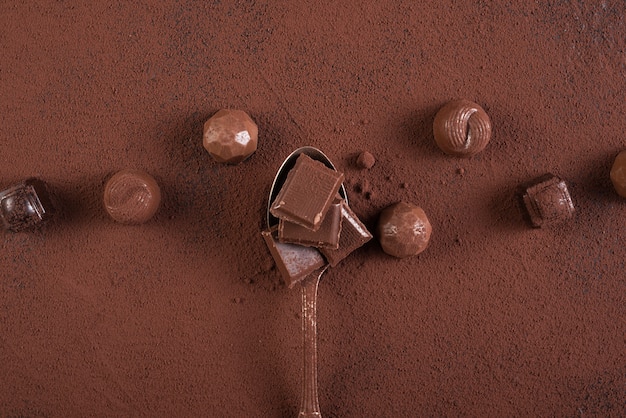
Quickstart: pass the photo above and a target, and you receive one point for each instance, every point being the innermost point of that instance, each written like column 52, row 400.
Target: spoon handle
column 309, row 404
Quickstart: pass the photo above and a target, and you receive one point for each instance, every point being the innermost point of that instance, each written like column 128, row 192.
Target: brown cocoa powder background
column 186, row 316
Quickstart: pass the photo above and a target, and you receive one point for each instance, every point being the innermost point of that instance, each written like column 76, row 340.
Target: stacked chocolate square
column 316, row 226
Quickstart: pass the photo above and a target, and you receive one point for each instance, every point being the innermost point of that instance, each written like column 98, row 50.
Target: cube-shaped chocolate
column 25, row 205
column 353, row 235
column 547, row 201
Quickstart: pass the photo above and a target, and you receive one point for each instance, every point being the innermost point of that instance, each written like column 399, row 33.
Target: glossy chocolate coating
column 462, row 128
column 294, row 262
column 131, row 196
column 618, row 174
column 353, row 235
column 307, row 193
column 25, row 205
column 403, row 230
column 230, row 136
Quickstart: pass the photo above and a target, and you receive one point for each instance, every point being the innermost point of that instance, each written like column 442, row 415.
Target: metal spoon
column 309, row 404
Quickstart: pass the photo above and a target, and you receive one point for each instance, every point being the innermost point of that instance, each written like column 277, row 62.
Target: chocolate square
column 307, row 194
column 326, row 236
column 353, row 235
column 547, row 201
column 294, row 262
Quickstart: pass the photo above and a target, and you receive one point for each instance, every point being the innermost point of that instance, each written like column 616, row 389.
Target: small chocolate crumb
column 460, row 171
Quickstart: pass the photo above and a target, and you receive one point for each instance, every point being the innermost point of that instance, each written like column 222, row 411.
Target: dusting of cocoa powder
column 185, row 315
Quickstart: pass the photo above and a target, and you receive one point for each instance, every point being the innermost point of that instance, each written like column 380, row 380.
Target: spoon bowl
column 309, row 404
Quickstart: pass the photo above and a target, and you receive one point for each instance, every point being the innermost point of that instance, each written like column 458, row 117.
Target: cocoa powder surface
column 186, row 315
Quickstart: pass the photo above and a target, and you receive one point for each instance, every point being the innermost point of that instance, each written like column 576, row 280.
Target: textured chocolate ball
column 230, row 136
column 131, row 196
column 403, row 230
column 462, row 128
column 618, row 174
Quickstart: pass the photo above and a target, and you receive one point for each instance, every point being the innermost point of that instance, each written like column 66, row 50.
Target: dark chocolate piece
column 294, row 262
column 353, row 235
column 307, row 194
column 548, row 201
column 131, row 196
column 25, row 205
column 403, row 230
column 326, row 236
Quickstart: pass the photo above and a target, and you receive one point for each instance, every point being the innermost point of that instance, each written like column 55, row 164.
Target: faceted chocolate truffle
column 131, row 196
column 294, row 262
column 548, row 201
column 230, row 136
column 403, row 230
column 307, row 193
column 618, row 174
column 462, row 128
column 25, row 205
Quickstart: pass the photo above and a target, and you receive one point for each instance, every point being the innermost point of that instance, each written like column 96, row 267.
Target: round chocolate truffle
column 230, row 136
column 618, row 174
column 403, row 230
column 462, row 128
column 131, row 196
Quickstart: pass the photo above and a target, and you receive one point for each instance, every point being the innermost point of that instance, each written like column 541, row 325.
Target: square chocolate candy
column 294, row 262
column 307, row 193
column 547, row 201
column 353, row 235
column 327, row 236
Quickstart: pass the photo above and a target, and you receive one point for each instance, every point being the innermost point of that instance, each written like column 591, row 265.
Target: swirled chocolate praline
column 131, row 196
column 462, row 128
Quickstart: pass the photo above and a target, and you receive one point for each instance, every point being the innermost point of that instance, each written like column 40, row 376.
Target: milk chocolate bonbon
column 230, row 136
column 618, row 174
column 131, row 196
column 462, row 128
column 403, row 230
column 25, row 205
column 307, row 193
column 547, row 201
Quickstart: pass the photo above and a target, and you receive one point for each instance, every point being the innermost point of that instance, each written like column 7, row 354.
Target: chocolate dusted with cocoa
column 26, row 205
column 294, row 262
column 547, row 201
column 327, row 236
column 403, row 230
column 308, row 192
column 353, row 235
